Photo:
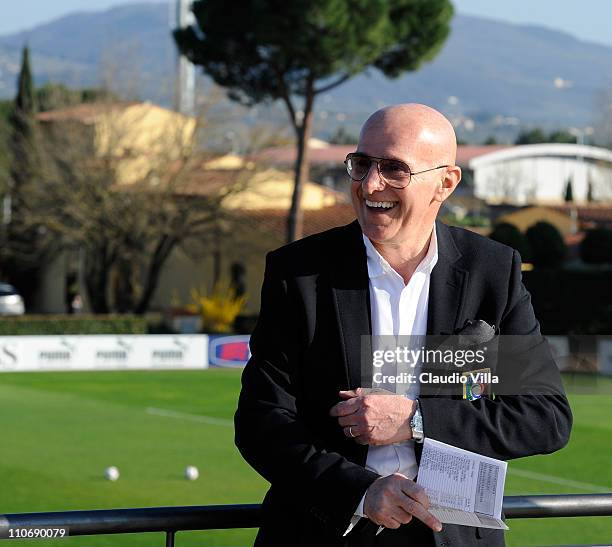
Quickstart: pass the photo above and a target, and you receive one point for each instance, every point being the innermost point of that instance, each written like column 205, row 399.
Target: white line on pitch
column 190, row 417
column 518, row 472
column 558, row 480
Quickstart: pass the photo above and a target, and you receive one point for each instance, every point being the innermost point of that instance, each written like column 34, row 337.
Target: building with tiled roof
column 136, row 135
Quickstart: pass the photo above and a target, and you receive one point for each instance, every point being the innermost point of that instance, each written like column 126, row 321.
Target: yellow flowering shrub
column 218, row 309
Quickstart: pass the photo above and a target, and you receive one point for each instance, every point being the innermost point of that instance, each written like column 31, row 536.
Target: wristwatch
column 416, row 424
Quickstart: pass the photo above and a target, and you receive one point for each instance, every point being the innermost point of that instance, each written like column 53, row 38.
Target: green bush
column 547, row 245
column 596, row 247
column 72, row 324
column 510, row 235
column 571, row 301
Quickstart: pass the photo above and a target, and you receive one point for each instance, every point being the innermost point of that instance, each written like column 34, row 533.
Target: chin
column 377, row 232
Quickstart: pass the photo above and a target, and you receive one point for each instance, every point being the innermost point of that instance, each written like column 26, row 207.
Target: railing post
column 170, row 539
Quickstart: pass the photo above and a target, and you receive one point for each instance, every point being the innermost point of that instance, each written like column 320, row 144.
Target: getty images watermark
column 465, row 366
column 411, row 365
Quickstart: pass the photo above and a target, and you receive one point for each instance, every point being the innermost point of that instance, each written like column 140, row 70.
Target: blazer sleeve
column 269, row 432
column 532, row 418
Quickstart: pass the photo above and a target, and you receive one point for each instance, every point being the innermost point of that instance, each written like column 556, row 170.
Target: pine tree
column 569, row 192
column 21, row 253
column 25, row 87
column 295, row 50
column 21, row 121
column 590, row 198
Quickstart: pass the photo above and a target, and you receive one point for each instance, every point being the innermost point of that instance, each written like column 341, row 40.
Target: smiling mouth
column 380, row 205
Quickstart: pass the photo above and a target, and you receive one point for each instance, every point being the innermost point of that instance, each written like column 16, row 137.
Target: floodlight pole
column 185, row 71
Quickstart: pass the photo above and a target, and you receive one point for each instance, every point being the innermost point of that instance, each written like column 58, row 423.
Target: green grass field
column 60, row 430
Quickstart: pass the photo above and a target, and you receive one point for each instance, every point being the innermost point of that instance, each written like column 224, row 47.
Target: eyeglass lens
column 358, row 168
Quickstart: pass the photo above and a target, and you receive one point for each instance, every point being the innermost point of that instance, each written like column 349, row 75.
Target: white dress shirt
column 397, row 309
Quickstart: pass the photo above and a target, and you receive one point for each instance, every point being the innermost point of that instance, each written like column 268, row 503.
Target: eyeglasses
column 395, row 173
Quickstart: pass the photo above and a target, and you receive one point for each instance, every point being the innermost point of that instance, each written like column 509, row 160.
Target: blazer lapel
column 446, row 296
column 350, row 287
column 446, row 287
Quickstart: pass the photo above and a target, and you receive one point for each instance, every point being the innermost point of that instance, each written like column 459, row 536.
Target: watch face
column 417, row 423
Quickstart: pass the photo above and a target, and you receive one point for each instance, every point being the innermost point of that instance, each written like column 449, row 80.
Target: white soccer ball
column 111, row 473
column 191, row 472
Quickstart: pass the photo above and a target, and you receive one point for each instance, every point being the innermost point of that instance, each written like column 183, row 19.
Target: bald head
column 401, row 216
column 417, row 128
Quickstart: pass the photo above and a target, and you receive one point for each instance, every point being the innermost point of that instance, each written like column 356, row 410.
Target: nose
column 373, row 181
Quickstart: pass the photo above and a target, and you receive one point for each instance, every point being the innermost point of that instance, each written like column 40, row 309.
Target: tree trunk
column 295, row 218
column 164, row 247
column 96, row 279
column 216, row 255
column 123, row 286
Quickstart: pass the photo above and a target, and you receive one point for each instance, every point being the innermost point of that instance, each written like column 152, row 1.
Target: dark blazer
column 306, row 347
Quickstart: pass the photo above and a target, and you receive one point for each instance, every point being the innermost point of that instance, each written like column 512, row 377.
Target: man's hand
column 392, row 501
column 374, row 416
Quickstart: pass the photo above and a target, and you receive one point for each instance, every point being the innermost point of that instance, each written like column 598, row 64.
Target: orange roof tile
column 84, row 112
column 274, row 221
column 335, row 154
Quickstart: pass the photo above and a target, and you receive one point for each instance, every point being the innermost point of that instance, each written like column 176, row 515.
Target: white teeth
column 381, row 204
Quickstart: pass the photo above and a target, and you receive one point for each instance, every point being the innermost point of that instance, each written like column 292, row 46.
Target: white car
column 11, row 302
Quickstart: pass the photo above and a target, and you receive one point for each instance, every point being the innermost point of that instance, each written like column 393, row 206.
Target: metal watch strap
column 416, row 424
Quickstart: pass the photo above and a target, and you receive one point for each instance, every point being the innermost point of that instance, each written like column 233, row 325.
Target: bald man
column 342, row 459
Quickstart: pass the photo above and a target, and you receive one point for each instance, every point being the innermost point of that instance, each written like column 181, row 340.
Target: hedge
column 572, row 301
column 72, row 324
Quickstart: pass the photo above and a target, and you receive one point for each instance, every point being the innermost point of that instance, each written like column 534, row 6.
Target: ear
column 448, row 184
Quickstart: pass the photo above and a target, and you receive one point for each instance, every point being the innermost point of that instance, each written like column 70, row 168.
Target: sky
column 587, row 19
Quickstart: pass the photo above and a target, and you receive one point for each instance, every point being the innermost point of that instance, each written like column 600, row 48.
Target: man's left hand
column 374, row 416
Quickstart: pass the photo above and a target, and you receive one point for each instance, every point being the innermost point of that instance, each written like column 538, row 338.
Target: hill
column 495, row 73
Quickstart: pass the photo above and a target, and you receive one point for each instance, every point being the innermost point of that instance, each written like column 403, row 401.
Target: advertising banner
column 605, row 355
column 103, row 352
column 229, row 351
column 560, row 350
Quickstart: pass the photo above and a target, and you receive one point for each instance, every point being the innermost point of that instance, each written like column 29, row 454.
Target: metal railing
column 214, row 517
